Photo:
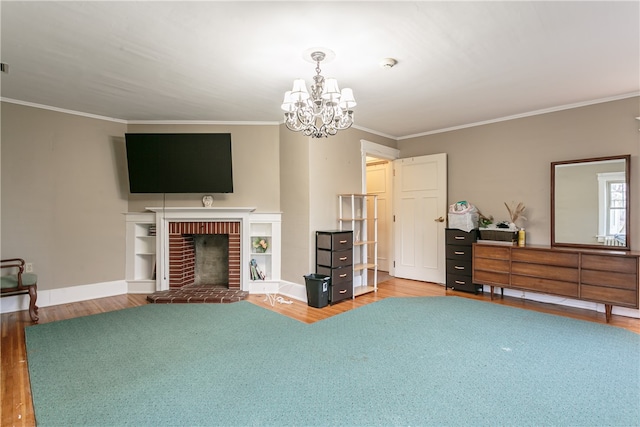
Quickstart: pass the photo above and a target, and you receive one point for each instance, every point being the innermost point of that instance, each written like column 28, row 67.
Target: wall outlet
column 28, row 267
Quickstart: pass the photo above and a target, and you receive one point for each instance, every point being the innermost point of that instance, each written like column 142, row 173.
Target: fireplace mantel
column 201, row 212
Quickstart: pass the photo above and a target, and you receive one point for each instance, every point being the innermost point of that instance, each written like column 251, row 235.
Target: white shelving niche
column 265, row 227
column 140, row 268
column 359, row 212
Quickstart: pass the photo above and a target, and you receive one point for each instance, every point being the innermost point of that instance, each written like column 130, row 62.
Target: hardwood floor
column 17, row 406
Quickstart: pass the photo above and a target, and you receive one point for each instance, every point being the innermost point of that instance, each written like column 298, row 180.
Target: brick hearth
column 197, row 294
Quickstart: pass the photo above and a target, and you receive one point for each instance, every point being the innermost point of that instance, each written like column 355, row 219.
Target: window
column 612, row 208
column 616, row 207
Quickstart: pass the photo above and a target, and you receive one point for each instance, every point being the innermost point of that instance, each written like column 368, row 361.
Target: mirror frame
column 627, row 169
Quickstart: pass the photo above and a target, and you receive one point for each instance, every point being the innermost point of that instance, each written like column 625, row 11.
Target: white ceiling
column 459, row 63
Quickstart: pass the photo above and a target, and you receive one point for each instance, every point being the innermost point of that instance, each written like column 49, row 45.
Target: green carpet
column 401, row 361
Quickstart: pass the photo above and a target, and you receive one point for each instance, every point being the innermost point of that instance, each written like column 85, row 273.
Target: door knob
column 441, row 219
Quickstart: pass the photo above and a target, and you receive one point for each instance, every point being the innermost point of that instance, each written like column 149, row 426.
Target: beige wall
column 65, row 214
column 294, row 201
column 256, row 168
column 64, row 181
column 62, row 201
column 510, row 161
column 314, row 172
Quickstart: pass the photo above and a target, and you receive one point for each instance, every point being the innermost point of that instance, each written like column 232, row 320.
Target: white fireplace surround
column 166, row 215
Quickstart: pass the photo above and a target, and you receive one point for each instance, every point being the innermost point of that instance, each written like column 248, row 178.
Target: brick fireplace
column 179, row 227
column 182, row 250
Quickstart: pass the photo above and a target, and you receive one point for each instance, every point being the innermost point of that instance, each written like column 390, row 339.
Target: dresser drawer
column 619, row 264
column 334, row 258
column 455, row 236
column 491, row 251
column 458, row 266
column 340, row 291
column 455, row 252
column 491, row 278
column 338, row 275
column 334, row 241
column 609, row 279
column 461, row 283
column 549, row 286
column 560, row 258
column 621, row 297
column 551, row 272
column 493, row 265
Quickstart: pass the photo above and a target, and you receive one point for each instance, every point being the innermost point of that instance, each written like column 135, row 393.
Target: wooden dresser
column 601, row 276
column 334, row 258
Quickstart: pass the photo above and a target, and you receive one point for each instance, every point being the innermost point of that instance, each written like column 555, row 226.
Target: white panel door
column 420, row 203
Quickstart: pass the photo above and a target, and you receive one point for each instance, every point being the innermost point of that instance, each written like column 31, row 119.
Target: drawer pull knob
column 344, row 291
column 457, row 267
column 342, row 242
column 344, row 258
column 459, row 237
column 343, row 275
column 459, row 282
column 459, row 252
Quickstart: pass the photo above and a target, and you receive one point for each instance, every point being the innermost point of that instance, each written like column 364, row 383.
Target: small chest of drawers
column 459, row 260
column 334, row 258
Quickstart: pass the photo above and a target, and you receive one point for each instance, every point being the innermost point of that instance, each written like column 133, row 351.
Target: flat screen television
column 179, row 162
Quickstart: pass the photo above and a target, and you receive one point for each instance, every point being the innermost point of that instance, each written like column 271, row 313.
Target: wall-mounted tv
column 179, row 162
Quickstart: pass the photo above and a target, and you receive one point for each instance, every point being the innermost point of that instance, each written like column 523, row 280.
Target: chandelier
column 324, row 111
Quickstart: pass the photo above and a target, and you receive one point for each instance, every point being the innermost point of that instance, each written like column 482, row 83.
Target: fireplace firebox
column 182, row 252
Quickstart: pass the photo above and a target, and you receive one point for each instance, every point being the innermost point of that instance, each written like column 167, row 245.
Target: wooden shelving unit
column 355, row 214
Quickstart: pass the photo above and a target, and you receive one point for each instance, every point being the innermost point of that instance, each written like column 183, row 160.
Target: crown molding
column 61, row 110
column 528, row 114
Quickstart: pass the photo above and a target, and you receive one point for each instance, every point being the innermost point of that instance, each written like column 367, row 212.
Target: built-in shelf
column 355, row 214
column 140, row 263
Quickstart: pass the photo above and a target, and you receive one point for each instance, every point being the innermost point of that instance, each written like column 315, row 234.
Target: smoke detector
column 388, row 63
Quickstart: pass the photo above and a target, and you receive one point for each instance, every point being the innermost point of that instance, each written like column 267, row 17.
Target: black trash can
column 317, row 290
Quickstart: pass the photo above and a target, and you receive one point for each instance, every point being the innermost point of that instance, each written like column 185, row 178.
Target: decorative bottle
column 521, row 237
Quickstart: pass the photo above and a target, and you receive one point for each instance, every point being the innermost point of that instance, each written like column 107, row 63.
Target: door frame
column 368, row 148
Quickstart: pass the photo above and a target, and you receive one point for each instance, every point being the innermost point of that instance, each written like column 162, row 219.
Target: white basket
column 463, row 215
column 464, row 221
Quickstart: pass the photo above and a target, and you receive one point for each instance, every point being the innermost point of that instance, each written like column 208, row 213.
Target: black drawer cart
column 459, row 259
column 334, row 258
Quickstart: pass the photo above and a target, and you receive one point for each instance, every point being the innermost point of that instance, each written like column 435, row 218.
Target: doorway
column 377, row 178
column 424, row 179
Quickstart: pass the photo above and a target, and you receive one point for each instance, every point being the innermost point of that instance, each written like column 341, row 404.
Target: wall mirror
column 590, row 203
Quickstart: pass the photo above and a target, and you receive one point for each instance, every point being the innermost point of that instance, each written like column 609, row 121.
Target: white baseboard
column 141, row 287
column 263, row 287
column 296, row 291
column 49, row 297
column 293, row 290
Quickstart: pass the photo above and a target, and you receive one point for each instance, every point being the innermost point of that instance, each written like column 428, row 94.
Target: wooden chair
column 14, row 281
